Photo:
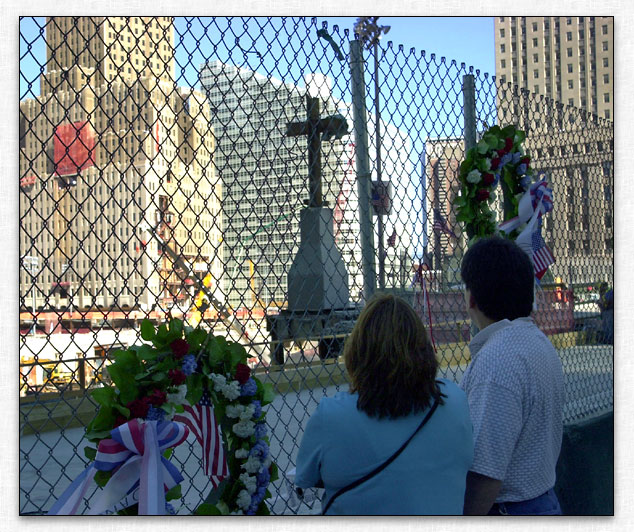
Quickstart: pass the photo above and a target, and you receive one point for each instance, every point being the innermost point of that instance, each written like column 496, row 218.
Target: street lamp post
column 31, row 265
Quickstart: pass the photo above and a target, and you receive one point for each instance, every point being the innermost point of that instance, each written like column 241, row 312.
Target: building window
column 568, row 21
column 571, row 102
column 606, row 62
column 569, row 36
column 513, row 31
column 580, row 35
column 569, row 52
column 513, row 47
column 502, row 48
column 569, row 67
column 570, row 84
column 502, row 33
column 534, row 41
column 607, row 113
column 536, row 89
column 546, row 25
column 534, row 26
column 606, row 78
column 535, row 58
column 501, row 19
column 503, row 63
column 503, row 79
column 606, row 97
column 604, row 29
column 605, row 46
column 535, row 74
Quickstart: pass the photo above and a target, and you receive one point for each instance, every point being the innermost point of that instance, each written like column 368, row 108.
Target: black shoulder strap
column 380, row 468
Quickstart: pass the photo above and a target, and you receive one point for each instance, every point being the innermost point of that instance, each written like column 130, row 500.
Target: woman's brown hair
column 390, row 361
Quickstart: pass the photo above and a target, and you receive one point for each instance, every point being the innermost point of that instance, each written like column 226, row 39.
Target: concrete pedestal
column 317, row 279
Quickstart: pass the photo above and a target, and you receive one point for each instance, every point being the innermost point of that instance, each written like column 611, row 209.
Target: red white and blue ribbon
column 537, row 199
column 134, row 455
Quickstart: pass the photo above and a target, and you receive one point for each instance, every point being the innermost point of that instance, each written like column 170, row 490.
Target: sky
column 468, row 40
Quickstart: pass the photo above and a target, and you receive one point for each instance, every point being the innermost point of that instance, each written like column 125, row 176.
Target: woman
column 393, row 387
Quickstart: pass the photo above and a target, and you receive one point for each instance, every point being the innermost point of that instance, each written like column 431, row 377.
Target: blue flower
column 260, row 449
column 260, row 431
column 189, row 364
column 155, row 414
column 506, row 158
column 261, row 492
column 263, row 478
column 258, row 409
column 497, row 180
column 525, row 182
column 521, row 169
column 170, row 509
column 249, row 388
column 516, row 157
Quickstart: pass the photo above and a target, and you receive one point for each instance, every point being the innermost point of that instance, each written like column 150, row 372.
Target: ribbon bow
column 134, row 454
column 536, row 201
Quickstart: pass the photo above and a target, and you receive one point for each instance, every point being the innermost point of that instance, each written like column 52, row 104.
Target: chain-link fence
column 262, row 177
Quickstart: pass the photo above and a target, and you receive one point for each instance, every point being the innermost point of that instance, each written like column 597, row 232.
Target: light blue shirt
column 515, row 386
column 341, row 444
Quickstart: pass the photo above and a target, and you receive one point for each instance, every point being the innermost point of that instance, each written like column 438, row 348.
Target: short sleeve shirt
column 342, row 444
column 515, row 389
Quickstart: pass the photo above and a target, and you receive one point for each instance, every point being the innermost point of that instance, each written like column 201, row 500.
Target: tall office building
column 566, row 67
column 442, row 174
column 265, row 179
column 110, row 148
column 568, row 59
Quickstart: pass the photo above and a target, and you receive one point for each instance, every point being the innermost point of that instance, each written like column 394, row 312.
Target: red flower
column 508, row 144
column 525, row 160
column 139, row 407
column 488, row 179
column 176, row 376
column 482, row 194
column 495, row 162
column 157, row 397
column 243, row 372
column 180, row 348
column 119, row 420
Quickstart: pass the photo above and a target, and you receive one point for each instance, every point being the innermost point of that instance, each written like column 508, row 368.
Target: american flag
column 441, row 226
column 200, row 419
column 391, row 241
column 542, row 256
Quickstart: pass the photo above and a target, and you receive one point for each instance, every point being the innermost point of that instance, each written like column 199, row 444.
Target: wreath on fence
column 498, row 158
column 185, row 380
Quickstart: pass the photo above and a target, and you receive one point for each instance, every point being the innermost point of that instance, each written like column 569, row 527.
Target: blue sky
column 466, row 40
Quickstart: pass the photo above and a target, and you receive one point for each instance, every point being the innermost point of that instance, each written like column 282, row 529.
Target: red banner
column 74, row 146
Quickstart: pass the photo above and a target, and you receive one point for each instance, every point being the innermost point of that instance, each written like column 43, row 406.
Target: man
column 514, row 384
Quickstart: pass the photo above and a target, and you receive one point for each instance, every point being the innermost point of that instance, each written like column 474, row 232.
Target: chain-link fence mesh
column 216, row 170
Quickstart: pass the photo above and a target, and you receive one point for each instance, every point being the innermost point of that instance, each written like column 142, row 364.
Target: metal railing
column 169, row 167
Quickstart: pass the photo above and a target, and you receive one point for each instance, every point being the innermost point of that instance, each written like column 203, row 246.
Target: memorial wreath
column 184, row 380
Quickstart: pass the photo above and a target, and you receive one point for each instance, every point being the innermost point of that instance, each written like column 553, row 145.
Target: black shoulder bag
column 384, row 464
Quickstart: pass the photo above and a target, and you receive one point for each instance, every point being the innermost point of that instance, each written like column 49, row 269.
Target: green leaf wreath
column 498, row 158
column 156, row 380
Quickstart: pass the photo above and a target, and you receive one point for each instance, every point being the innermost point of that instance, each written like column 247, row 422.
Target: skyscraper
column 109, row 149
column 567, row 59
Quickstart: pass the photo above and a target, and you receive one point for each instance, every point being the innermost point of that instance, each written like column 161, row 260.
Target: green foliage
column 90, row 452
column 147, row 330
column 207, row 509
column 102, row 478
column 174, row 493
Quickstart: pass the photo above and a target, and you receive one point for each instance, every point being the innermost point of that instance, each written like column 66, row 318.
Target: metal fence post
column 363, row 168
column 468, row 95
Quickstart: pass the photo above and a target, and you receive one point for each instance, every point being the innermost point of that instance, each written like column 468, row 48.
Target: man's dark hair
column 500, row 277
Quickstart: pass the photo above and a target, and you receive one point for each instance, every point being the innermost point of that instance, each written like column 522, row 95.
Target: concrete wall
column 585, row 471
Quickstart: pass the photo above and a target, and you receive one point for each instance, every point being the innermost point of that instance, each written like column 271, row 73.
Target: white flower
column 247, row 413
column 178, row 398
column 474, row 176
column 250, row 482
column 267, row 462
column 244, row 429
column 244, row 499
column 241, row 453
column 218, row 380
column 231, row 391
column 252, row 465
column 235, row 411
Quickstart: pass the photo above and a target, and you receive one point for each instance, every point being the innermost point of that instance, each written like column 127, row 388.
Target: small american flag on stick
column 441, row 226
column 201, row 420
